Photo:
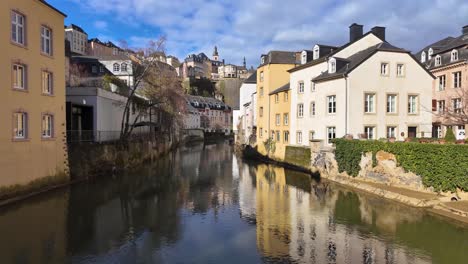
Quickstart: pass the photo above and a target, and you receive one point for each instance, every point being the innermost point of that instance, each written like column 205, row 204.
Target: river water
column 202, row 204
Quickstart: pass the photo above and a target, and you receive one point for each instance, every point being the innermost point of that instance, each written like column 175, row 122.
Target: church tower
column 244, row 64
column 215, row 54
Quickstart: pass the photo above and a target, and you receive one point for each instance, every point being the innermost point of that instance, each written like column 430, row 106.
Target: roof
column 55, row 9
column 113, row 57
column 252, row 78
column 75, row 27
column 206, row 102
column 355, row 60
column 280, row 57
column 281, row 89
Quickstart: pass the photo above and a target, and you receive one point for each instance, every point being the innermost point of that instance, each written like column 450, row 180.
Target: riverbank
column 436, row 203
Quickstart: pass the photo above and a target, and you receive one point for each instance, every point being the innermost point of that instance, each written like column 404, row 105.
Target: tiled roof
column 281, row 89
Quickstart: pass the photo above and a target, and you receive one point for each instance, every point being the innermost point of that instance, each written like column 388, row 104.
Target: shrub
column 450, row 136
column 444, row 167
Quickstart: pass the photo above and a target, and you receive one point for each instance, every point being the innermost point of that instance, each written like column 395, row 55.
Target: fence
column 75, row 136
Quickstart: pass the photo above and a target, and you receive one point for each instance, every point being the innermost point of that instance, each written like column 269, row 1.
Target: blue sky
column 252, row 27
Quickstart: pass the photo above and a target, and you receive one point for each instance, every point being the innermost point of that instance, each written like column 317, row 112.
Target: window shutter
column 434, row 105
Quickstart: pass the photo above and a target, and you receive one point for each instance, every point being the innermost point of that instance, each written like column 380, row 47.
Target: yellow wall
column 280, row 107
column 275, row 76
column 33, row 158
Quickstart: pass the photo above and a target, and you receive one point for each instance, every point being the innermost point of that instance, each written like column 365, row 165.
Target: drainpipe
column 346, row 106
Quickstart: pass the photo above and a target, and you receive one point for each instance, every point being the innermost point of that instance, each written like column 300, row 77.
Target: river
column 202, row 204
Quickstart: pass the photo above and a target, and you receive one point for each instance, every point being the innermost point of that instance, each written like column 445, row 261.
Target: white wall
column 123, row 75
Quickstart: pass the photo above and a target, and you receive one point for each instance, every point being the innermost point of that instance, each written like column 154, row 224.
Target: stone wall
column 298, row 155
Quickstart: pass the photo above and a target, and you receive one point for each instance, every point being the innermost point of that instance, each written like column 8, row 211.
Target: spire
column 244, row 63
column 215, row 52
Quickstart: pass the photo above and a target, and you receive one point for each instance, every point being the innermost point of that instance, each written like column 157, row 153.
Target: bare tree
column 455, row 110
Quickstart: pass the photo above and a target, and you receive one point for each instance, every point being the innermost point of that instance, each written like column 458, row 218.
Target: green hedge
column 299, row 156
column 444, row 167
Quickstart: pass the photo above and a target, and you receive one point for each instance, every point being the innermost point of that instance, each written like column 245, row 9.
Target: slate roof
column 283, row 88
column 77, row 28
column 201, row 102
column 252, row 78
column 281, row 57
column 355, row 60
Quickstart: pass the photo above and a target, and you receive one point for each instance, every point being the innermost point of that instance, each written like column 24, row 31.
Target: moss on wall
column 16, row 190
column 299, row 156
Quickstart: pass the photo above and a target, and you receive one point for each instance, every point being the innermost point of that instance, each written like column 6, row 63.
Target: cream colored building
column 32, row 101
column 78, row 39
column 367, row 88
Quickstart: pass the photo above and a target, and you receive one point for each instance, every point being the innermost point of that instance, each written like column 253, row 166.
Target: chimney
column 355, row 32
column 379, row 32
column 465, row 30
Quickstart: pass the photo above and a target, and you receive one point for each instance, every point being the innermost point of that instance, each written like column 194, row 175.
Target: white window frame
column 286, row 136
column 286, row 119
column 312, row 109
column 116, row 67
column 331, row 134
column 457, row 78
column 20, row 127
column 392, row 103
column 278, row 135
column 46, row 40
column 438, row 60
column 369, row 103
column 299, row 137
column 19, row 76
column 311, row 134
column 454, row 55
column 441, row 106
column 391, row 131
column 400, row 69
column 47, row 126
column 331, row 104
column 304, row 57
column 123, row 67
column 300, row 88
column 370, row 132
column 430, row 52
column 384, row 69
column 412, row 104
column 423, row 56
column 312, row 86
column 316, row 52
column 47, row 82
column 278, row 119
column 300, row 110
column 457, row 105
column 18, row 26
column 261, row 73
column 442, row 82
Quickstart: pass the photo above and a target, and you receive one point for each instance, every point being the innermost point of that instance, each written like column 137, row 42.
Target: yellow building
column 271, row 75
column 32, row 101
column 280, row 106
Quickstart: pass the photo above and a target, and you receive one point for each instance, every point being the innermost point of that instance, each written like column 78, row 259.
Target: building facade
column 367, row 88
column 271, row 74
column 215, row 116
column 78, row 39
column 246, row 122
column 32, row 102
column 280, row 107
column 447, row 59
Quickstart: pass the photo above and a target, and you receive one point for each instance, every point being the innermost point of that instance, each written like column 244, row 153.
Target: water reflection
column 204, row 205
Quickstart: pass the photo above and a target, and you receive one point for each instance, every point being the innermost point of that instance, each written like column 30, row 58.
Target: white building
column 78, row 39
column 366, row 88
column 120, row 66
column 247, row 108
column 192, row 117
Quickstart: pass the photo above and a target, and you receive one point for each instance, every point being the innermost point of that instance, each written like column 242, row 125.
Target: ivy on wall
column 444, row 167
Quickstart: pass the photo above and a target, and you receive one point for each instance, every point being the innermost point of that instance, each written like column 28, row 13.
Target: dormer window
column 304, row 57
column 430, row 52
column 423, row 56
column 263, row 59
column 116, row 67
column 316, row 52
column 438, row 60
column 454, row 55
column 332, row 66
column 124, row 67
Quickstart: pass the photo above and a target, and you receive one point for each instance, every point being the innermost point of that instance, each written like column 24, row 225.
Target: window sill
column 50, row 56
column 19, row 45
column 48, row 138
column 20, row 90
column 370, row 113
column 20, row 139
column 392, row 114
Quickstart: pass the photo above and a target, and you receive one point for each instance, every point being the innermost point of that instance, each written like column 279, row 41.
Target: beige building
column 447, row 59
column 78, row 39
column 32, row 101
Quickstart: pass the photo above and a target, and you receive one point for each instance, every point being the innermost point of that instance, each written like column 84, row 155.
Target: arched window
column 116, row 67
column 423, row 56
column 430, row 53
column 438, row 60
column 454, row 55
column 123, row 67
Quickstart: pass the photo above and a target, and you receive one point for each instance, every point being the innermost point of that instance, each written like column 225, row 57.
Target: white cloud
column 249, row 28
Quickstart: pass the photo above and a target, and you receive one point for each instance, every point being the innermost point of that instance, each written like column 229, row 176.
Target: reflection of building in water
column 247, row 190
column 273, row 219
column 310, row 222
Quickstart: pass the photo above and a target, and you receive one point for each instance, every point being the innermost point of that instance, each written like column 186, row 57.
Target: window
column 457, row 79
column 331, row 134
column 300, row 110
column 391, row 132
column 400, row 69
column 20, row 125
column 263, row 61
column 438, row 60
column 261, row 91
column 299, row 137
column 312, row 109
column 94, row 69
column 457, row 105
column 412, row 104
column 423, row 56
column 116, row 67
column 47, row 82
column 123, row 67
column 47, row 126
column 454, row 55
column 286, row 119
column 260, row 132
column 312, row 86
column 369, row 103
column 19, row 76
column 332, row 66
column 441, row 106
column 430, row 52
column 18, row 28
column 311, row 135
column 370, row 132
column 261, row 111
column 331, row 100
column 442, row 82
column 301, row 87
column 261, row 73
column 278, row 136
column 316, row 52
column 276, row 98
column 286, row 96
column 286, row 136
column 278, row 119
column 273, row 134
column 46, row 40
column 384, row 69
column 391, row 103
column 304, row 57
column 101, row 69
